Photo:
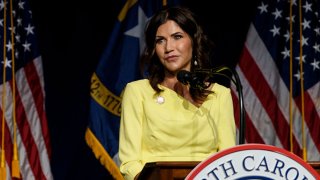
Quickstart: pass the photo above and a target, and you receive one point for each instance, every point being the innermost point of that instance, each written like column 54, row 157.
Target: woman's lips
column 171, row 58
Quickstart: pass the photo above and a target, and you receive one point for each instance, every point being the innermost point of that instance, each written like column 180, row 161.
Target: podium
column 178, row 170
column 255, row 161
column 167, row 170
column 315, row 166
column 248, row 161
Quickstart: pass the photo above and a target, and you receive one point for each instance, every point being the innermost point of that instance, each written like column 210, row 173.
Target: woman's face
column 173, row 47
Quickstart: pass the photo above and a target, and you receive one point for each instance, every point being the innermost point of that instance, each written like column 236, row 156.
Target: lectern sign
column 253, row 161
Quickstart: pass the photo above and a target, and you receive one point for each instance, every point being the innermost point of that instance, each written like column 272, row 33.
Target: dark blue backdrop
column 72, row 36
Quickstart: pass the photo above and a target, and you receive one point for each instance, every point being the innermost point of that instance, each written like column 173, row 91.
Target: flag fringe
column 15, row 169
column 3, row 173
column 101, row 154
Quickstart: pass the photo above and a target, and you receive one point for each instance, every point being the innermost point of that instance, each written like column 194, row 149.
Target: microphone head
column 184, row 77
column 196, row 80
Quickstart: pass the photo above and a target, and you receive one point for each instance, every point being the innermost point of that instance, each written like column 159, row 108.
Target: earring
column 195, row 62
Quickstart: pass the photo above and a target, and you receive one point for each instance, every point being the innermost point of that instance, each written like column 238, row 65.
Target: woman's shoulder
column 139, row 84
column 219, row 88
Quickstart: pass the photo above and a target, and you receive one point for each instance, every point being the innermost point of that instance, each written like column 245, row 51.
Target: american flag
column 280, row 74
column 25, row 145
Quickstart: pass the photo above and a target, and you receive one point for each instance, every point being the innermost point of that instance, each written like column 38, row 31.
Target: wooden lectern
column 315, row 166
column 176, row 170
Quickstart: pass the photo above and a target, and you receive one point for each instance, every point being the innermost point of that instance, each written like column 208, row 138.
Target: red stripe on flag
column 311, row 118
column 267, row 99
column 38, row 96
column 251, row 134
column 28, row 140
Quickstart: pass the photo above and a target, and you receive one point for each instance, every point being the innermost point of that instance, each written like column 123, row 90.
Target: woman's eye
column 159, row 41
column 177, row 36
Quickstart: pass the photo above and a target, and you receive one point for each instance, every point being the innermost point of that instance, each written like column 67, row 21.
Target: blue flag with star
column 119, row 64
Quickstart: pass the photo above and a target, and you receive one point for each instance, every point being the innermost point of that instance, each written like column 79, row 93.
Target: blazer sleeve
column 130, row 136
column 226, row 125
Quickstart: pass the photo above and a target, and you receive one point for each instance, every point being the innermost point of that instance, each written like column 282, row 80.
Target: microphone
column 196, row 80
column 184, row 77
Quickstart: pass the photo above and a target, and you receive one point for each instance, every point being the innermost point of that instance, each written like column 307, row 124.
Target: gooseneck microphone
column 202, row 79
column 184, row 77
column 194, row 79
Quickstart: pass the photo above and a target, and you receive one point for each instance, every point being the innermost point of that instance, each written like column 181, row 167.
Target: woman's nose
column 169, row 46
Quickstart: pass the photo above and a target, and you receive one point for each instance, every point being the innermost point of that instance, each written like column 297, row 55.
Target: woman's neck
column 179, row 88
column 170, row 82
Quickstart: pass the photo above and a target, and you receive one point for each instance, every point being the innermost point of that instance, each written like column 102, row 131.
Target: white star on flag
column 137, row 31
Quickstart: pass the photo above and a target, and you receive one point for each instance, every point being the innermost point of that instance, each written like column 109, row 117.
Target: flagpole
column 2, row 158
column 290, row 76
column 15, row 169
column 304, row 155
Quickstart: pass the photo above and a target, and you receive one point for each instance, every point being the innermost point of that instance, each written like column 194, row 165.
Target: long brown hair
column 151, row 66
